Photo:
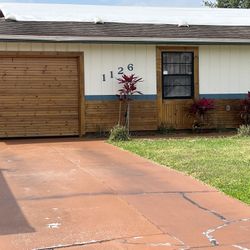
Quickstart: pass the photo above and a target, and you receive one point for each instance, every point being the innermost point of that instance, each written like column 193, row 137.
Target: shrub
column 245, row 110
column 199, row 110
column 119, row 133
column 244, row 130
column 164, row 129
column 201, row 107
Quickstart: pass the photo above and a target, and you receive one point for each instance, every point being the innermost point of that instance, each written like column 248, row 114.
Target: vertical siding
column 25, row 47
column 101, row 59
column 107, row 58
column 224, row 69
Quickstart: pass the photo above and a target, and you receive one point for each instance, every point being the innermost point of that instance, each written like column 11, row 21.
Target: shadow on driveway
column 51, row 140
column 12, row 220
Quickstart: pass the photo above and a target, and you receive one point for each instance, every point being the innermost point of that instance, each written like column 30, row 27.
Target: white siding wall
column 101, row 59
column 224, row 69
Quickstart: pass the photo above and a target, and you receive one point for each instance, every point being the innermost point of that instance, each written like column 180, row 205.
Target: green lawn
column 221, row 162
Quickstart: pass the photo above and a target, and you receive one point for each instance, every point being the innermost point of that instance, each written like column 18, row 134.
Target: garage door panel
column 42, row 99
column 39, row 59
column 41, row 119
column 38, row 124
column 30, row 113
column 39, row 97
column 35, row 78
column 41, row 82
column 24, row 66
column 42, row 92
column 47, row 109
column 38, row 87
column 38, row 133
column 37, row 73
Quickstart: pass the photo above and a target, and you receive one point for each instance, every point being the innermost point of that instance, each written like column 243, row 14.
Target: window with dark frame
column 178, row 75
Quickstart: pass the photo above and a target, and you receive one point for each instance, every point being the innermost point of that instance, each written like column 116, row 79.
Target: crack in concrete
column 221, row 245
column 208, row 233
column 77, row 164
column 162, row 244
column 212, row 239
column 240, row 247
column 151, row 222
column 221, row 217
column 184, row 247
column 33, row 198
column 92, row 242
column 149, row 243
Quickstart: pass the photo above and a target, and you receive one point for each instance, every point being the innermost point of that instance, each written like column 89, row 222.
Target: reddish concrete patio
column 72, row 194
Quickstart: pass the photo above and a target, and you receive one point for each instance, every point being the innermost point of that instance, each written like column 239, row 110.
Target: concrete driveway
column 72, row 194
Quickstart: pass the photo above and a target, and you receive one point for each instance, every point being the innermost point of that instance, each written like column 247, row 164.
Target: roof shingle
column 78, row 29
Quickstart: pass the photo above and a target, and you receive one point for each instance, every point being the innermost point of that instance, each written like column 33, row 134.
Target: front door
column 177, row 85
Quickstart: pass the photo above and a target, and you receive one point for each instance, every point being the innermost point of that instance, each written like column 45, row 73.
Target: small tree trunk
column 128, row 115
column 202, row 118
column 120, row 112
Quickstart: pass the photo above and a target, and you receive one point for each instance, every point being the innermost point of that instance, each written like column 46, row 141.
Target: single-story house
column 59, row 66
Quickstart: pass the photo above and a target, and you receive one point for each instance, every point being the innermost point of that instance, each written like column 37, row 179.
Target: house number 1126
column 130, row 67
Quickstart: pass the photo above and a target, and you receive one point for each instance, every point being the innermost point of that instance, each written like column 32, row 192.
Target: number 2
column 120, row 70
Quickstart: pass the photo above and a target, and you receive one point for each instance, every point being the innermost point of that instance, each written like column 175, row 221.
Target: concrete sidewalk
column 72, row 194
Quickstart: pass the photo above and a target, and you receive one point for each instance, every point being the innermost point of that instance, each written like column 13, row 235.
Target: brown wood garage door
column 39, row 96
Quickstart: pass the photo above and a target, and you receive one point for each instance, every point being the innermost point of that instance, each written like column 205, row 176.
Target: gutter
column 76, row 39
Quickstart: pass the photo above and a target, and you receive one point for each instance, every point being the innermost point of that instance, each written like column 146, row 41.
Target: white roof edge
column 120, row 39
column 125, row 14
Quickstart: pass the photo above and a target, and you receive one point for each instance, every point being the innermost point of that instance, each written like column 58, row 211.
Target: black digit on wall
column 120, row 70
column 131, row 67
column 103, row 78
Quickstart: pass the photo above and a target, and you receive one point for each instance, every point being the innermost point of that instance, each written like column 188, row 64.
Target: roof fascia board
column 66, row 39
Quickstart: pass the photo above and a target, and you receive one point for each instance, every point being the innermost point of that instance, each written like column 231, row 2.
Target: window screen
column 178, row 74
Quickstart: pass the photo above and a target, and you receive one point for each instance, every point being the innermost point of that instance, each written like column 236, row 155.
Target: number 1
column 103, row 78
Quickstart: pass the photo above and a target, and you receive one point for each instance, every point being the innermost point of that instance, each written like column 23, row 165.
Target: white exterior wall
column 224, row 69
column 101, row 59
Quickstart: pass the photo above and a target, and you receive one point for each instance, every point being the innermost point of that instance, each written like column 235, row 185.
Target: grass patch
column 220, row 162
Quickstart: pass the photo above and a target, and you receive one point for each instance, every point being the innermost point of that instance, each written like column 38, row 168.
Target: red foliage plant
column 245, row 110
column 201, row 106
column 129, row 87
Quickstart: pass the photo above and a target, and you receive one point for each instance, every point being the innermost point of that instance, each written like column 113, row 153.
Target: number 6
column 131, row 67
